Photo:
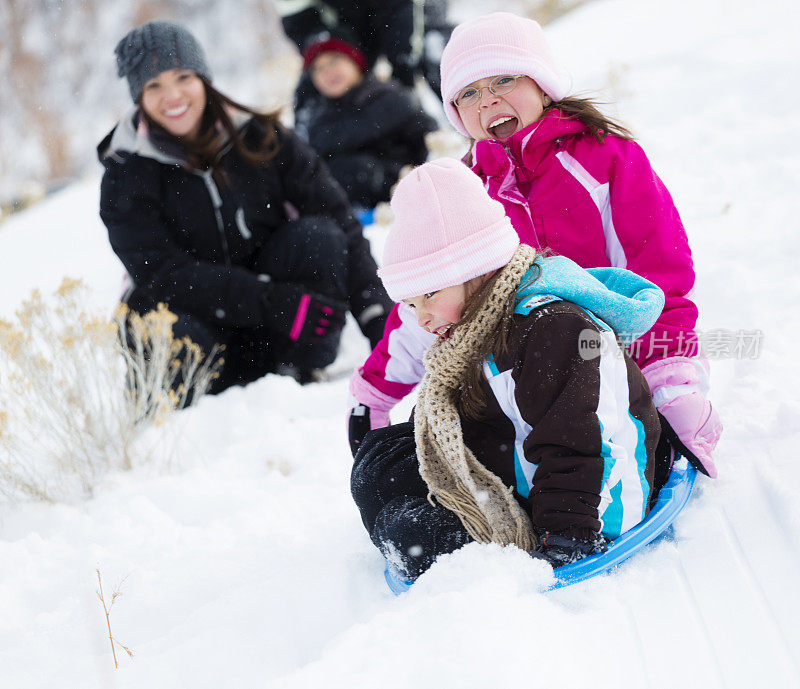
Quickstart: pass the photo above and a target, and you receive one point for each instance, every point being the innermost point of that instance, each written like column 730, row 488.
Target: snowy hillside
column 244, row 560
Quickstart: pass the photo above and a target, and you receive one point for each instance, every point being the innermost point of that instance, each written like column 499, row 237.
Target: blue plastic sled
column 671, row 500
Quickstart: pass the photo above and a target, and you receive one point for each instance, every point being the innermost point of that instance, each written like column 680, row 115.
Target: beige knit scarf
column 458, row 481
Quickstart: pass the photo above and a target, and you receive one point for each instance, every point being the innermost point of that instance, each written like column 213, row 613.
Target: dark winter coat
column 569, row 421
column 189, row 241
column 575, row 435
column 366, row 136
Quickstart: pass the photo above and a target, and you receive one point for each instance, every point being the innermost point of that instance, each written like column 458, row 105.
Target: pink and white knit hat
column 447, row 230
column 495, row 44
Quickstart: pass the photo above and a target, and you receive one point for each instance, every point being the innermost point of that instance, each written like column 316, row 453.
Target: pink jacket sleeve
column 646, row 232
column 395, row 366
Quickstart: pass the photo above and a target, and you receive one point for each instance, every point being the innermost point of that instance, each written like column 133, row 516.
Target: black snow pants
column 311, row 251
column 409, row 531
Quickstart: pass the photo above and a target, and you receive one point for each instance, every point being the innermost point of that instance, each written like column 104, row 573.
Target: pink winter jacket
column 600, row 204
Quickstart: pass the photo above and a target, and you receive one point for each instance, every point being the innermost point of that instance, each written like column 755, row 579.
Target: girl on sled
column 533, row 425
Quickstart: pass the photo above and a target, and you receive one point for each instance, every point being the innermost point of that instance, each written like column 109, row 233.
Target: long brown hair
column 472, row 401
column 203, row 152
column 586, row 110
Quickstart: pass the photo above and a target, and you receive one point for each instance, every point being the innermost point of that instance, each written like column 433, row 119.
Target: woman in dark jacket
column 366, row 130
column 228, row 218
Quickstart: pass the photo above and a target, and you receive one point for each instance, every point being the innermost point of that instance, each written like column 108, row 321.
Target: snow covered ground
column 244, row 560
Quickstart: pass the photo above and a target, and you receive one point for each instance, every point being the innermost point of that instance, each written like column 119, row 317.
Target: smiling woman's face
column 499, row 117
column 176, row 99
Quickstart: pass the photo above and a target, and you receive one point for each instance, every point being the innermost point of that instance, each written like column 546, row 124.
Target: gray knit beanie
column 155, row 47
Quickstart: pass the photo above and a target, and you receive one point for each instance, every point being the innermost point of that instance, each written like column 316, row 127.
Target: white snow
column 243, row 557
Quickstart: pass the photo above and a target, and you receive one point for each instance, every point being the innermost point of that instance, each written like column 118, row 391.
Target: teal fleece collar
column 626, row 302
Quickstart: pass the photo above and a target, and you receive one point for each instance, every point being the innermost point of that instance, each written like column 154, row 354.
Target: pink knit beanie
column 495, row 44
column 447, row 230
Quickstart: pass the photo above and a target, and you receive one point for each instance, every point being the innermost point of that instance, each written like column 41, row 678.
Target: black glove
column 357, row 426
column 563, row 550
column 303, row 316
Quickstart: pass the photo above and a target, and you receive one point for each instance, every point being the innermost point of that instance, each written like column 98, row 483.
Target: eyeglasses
column 499, row 86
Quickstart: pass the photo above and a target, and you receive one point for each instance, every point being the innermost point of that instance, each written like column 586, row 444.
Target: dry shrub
column 74, row 399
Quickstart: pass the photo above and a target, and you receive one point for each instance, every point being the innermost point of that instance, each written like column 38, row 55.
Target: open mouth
column 443, row 331
column 176, row 112
column 503, row 127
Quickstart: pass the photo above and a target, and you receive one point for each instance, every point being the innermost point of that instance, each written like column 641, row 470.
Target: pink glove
column 679, row 386
column 369, row 409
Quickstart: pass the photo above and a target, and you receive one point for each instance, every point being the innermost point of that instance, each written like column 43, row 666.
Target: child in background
column 525, row 386
column 365, row 129
column 409, row 34
column 571, row 180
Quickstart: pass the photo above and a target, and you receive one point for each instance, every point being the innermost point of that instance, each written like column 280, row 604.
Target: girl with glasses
column 571, row 180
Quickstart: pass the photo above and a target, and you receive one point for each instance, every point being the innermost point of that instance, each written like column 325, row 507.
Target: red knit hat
column 335, row 45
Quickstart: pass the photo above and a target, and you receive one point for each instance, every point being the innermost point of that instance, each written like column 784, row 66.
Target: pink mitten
column 679, row 386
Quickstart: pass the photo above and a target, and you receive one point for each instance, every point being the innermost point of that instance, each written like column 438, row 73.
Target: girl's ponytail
column 587, row 111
